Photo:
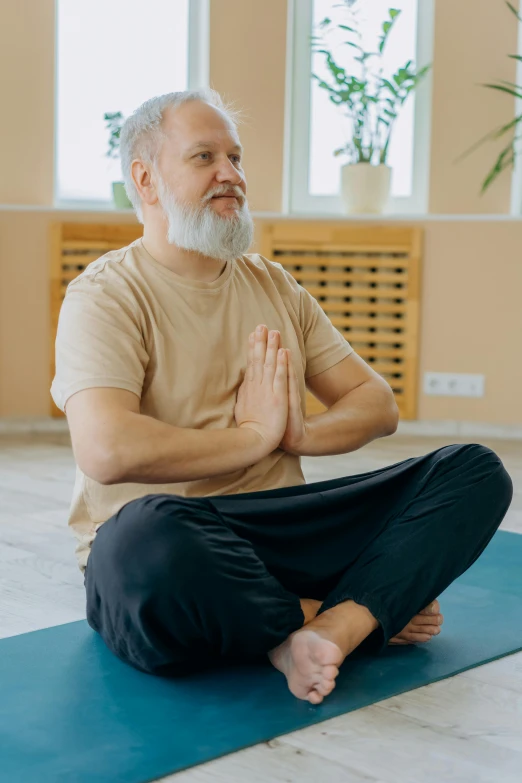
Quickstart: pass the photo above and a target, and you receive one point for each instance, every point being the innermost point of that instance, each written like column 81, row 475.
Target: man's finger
column 249, row 374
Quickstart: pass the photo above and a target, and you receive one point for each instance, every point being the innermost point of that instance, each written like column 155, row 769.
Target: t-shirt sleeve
column 98, row 343
column 324, row 344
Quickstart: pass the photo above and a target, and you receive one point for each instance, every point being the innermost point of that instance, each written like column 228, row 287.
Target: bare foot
column 310, row 664
column 310, row 657
column 423, row 627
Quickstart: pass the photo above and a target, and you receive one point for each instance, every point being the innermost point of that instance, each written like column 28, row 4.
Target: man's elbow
column 98, row 467
column 392, row 419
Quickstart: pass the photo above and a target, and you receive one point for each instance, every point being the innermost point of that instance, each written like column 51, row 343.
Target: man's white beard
column 204, row 231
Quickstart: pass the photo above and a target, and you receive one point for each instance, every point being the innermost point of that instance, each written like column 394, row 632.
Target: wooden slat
column 119, row 234
column 361, row 262
column 88, row 244
column 357, row 307
column 293, row 246
column 368, row 353
column 367, row 337
column 341, row 292
column 382, row 322
column 363, row 277
column 342, row 233
column 390, row 367
column 374, row 307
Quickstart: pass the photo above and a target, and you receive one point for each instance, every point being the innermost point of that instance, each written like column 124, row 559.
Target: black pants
column 177, row 584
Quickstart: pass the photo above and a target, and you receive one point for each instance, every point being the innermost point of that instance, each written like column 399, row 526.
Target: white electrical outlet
column 449, row 384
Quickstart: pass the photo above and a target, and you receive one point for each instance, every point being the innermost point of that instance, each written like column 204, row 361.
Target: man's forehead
column 197, row 125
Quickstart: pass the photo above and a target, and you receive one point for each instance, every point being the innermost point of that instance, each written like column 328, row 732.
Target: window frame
column 296, row 196
column 198, row 78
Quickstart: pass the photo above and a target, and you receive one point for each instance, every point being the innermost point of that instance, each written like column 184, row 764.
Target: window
column 317, row 127
column 111, row 56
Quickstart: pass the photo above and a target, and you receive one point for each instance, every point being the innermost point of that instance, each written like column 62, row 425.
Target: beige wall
column 247, row 65
column 472, row 39
column 27, row 90
column 471, row 318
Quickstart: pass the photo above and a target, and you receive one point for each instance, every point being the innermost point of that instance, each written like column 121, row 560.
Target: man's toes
column 420, row 637
column 329, row 672
column 325, row 687
column 433, row 608
column 314, row 697
column 432, row 630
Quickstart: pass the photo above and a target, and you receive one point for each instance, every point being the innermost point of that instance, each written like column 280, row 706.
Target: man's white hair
column 142, row 137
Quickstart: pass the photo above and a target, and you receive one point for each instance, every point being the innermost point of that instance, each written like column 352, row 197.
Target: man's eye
column 201, row 154
column 236, row 158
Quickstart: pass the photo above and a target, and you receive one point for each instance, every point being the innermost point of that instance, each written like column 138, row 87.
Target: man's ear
column 141, row 174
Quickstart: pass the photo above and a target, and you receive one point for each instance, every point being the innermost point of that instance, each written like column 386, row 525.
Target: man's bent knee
column 143, row 561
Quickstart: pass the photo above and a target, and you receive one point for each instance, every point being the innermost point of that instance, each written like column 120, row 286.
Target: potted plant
column 507, row 156
column 372, row 104
column 114, row 123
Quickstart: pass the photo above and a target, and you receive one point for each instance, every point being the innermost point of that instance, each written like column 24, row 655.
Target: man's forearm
column 366, row 413
column 148, row 451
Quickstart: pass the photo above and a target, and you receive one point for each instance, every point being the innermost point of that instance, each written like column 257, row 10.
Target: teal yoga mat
column 71, row 712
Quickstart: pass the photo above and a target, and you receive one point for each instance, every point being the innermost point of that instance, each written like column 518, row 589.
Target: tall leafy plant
column 114, row 122
column 507, row 155
column 370, row 101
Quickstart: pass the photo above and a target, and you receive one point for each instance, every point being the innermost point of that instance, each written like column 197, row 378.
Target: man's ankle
column 310, row 607
column 346, row 624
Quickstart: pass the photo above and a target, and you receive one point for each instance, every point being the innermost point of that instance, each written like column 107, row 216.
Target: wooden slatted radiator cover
column 73, row 247
column 367, row 280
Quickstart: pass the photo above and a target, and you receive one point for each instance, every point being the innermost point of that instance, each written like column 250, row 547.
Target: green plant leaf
column 495, row 134
column 514, row 10
column 505, row 159
column 510, row 84
column 387, row 26
column 502, row 88
column 390, row 86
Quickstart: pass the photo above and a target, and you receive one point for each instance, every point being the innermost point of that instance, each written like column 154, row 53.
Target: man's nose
column 227, row 172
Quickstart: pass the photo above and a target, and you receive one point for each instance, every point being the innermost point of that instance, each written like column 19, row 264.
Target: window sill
column 102, row 208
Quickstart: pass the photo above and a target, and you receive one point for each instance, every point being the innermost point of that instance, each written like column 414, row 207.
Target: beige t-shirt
column 181, row 345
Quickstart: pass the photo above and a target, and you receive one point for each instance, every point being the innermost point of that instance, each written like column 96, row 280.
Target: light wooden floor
column 467, row 728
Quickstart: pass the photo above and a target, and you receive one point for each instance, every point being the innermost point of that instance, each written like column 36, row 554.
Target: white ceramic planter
column 365, row 187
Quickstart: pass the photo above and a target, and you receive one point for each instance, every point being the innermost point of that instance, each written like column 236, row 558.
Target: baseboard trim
column 462, row 429
column 30, row 425
column 467, row 429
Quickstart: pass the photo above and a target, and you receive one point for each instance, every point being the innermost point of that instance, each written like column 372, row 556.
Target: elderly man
column 182, row 366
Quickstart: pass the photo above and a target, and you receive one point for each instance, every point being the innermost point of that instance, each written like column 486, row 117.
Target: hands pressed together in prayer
column 268, row 399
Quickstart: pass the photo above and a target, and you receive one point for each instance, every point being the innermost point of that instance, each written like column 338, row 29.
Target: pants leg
column 171, row 589
column 176, row 583
column 430, row 542
column 391, row 540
